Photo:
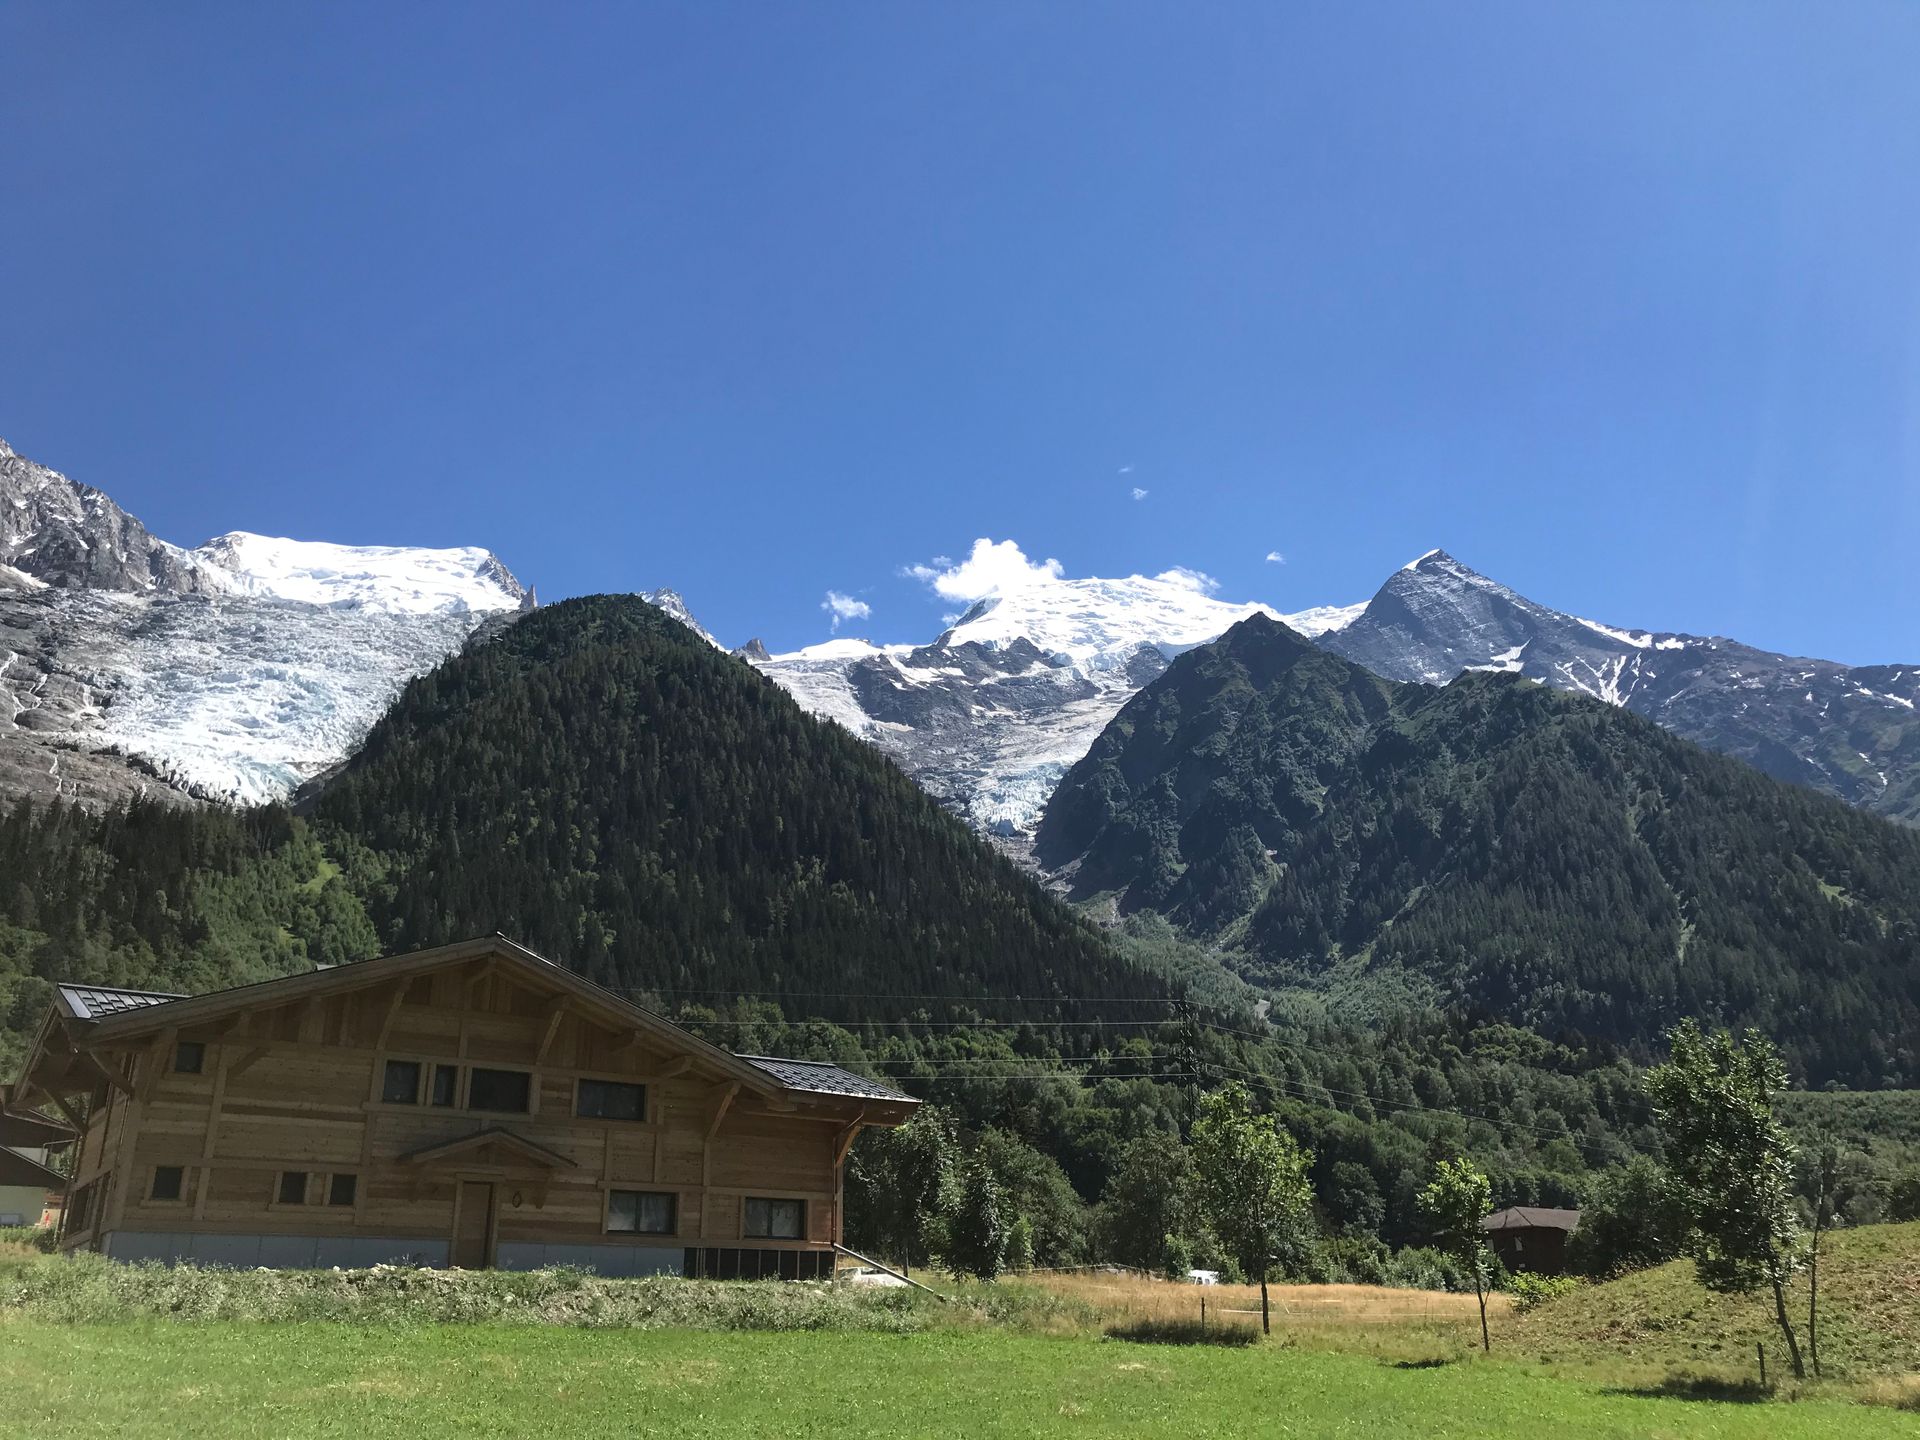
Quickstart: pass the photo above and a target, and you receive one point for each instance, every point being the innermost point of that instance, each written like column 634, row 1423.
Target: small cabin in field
column 472, row 1105
column 1530, row 1238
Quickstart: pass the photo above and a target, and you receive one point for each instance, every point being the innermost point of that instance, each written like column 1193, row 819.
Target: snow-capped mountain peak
column 1836, row 728
column 1324, row 619
column 395, row 579
column 1098, row 622
column 992, row 713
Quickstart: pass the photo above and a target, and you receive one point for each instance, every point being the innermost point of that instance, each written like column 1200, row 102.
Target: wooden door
column 473, row 1227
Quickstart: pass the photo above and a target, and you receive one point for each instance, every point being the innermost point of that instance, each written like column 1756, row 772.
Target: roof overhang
column 18, row 1169
column 1528, row 1217
column 32, row 1131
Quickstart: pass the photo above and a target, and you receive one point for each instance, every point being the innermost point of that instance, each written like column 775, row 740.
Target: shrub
column 1353, row 1260
column 31, row 1237
column 89, row 1288
column 1633, row 1221
column 1531, row 1290
column 1176, row 1257
column 1020, row 1245
column 1903, row 1195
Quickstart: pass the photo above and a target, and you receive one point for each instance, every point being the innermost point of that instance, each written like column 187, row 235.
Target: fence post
column 1763, row 1365
column 1203, row 1312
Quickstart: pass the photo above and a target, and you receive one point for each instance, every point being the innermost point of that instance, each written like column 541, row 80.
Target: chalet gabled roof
column 821, row 1078
column 103, row 1013
column 1532, row 1217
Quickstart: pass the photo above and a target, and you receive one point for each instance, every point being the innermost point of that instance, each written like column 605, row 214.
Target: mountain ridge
column 1850, row 731
column 1493, row 843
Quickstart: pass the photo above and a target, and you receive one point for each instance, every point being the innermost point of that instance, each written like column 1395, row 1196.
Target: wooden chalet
column 472, row 1105
column 1531, row 1237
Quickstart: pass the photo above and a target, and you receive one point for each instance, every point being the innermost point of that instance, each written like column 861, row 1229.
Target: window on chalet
column 342, row 1189
column 168, row 1181
column 507, row 1092
column 639, row 1212
column 774, row 1219
column 293, row 1187
column 401, row 1085
column 446, row 1086
column 189, row 1057
column 611, row 1100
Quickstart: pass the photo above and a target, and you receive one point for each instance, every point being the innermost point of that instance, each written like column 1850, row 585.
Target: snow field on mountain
column 399, row 579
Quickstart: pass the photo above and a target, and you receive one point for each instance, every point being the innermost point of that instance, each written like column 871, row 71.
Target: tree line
column 1727, row 1185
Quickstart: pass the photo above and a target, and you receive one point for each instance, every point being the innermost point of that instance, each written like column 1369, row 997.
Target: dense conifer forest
column 600, row 783
column 1557, row 861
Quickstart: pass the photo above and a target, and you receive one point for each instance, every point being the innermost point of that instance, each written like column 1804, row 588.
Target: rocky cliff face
column 58, row 533
column 231, row 672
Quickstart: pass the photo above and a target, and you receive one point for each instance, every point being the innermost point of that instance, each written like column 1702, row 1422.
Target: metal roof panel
column 824, row 1079
column 96, row 1002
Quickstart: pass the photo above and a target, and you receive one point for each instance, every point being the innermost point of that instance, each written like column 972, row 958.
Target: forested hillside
column 603, row 785
column 1496, row 845
column 158, row 897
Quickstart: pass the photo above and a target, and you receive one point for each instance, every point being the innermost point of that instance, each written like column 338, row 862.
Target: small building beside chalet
column 26, row 1181
column 472, row 1105
column 1530, row 1238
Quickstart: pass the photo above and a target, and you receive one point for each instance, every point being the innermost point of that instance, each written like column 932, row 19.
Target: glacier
column 995, row 710
column 232, row 672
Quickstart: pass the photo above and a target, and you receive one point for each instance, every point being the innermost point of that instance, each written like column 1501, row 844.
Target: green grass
column 216, row 1378
column 92, row 1348
column 1662, row 1319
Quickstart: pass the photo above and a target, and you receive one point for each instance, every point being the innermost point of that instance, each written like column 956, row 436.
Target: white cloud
column 1126, row 469
column 1138, row 493
column 994, row 567
column 1274, row 557
column 1196, row 580
column 844, row 607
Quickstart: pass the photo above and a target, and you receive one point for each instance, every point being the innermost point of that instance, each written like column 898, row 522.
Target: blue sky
column 1619, row 303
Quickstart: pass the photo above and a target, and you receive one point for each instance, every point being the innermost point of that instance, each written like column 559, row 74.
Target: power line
column 928, row 995
column 941, row 1068
column 993, row 1024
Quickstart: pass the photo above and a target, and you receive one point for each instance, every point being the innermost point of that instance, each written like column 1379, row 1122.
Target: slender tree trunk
column 1786, row 1329
column 1480, row 1294
column 1813, row 1300
column 1266, row 1321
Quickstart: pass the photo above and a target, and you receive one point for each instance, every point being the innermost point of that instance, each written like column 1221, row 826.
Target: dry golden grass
column 1896, row 1392
column 1141, row 1297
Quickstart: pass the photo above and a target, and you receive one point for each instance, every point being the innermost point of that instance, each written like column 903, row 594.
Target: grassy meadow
column 159, row 1379
column 94, row 1348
